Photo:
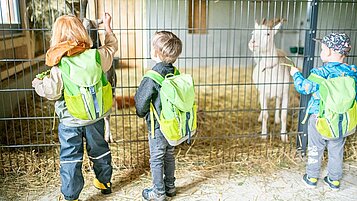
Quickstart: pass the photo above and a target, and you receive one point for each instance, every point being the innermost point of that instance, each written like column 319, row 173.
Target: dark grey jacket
column 149, row 91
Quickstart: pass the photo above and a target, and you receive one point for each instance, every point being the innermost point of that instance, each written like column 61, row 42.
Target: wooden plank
column 20, row 67
column 197, row 23
column 11, row 43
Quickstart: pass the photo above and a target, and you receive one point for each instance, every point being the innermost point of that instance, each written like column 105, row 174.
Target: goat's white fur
column 271, row 78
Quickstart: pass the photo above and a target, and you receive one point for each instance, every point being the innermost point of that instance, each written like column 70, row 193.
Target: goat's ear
column 98, row 22
column 277, row 27
column 256, row 25
column 86, row 23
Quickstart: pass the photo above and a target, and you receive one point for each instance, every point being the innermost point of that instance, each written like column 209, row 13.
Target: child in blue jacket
column 334, row 49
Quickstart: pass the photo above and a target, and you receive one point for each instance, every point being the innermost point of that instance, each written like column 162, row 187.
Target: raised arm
column 110, row 46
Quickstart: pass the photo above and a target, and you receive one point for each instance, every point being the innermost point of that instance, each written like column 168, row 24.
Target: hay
column 227, row 138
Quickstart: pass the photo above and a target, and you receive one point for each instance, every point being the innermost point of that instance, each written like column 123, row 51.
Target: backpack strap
column 157, row 77
column 319, row 80
column 152, row 113
column 176, row 71
column 316, row 78
column 154, row 76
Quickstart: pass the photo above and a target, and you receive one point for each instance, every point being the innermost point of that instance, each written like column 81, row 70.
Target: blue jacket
column 328, row 70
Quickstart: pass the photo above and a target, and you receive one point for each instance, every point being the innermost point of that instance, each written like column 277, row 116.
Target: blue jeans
column 162, row 162
column 316, row 147
column 71, row 156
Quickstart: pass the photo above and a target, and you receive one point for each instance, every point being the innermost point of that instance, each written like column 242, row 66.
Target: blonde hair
column 69, row 28
column 167, row 45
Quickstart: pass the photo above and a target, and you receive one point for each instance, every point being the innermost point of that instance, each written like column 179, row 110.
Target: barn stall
column 215, row 36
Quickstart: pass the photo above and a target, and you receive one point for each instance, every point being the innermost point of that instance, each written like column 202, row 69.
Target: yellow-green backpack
column 178, row 117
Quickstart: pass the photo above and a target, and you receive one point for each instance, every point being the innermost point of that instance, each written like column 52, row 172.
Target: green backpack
column 178, row 118
column 87, row 92
column 337, row 116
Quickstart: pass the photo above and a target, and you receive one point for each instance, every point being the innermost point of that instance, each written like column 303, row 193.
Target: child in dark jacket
column 334, row 49
column 166, row 47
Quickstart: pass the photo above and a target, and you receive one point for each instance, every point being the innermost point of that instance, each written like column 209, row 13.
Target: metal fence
column 215, row 36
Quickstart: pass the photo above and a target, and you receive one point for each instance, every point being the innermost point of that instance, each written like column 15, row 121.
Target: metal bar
column 154, row 29
column 309, row 54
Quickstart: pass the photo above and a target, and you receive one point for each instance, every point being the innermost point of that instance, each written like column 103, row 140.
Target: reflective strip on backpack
column 188, row 131
column 84, row 98
column 95, row 101
column 330, row 127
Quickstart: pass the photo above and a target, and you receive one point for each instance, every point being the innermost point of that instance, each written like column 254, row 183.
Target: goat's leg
column 107, row 135
column 260, row 118
column 265, row 115
column 277, row 110
column 284, row 114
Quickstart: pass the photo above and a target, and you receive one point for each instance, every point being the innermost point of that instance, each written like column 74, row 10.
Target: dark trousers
column 71, row 156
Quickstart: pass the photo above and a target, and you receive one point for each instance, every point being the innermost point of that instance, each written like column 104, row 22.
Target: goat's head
column 263, row 35
column 92, row 27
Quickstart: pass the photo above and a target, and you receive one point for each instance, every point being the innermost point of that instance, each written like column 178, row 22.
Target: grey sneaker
column 170, row 191
column 150, row 195
column 309, row 181
column 333, row 184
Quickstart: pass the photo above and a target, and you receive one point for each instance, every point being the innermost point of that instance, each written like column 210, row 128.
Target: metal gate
column 215, row 36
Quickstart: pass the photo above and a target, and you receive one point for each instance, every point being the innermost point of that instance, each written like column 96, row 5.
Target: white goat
column 271, row 78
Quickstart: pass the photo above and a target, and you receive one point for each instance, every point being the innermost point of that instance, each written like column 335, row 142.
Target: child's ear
column 329, row 52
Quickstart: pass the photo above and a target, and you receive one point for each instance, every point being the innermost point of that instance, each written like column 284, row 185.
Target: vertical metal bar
column 239, row 68
column 312, row 14
column 200, row 32
column 2, row 97
column 143, row 6
column 212, row 95
column 219, row 87
column 353, row 24
column 245, row 77
column 234, row 25
column 116, row 114
column 194, row 29
column 17, row 94
column 186, row 25
column 121, row 80
column 206, row 59
column 163, row 13
column 135, row 81
column 128, row 83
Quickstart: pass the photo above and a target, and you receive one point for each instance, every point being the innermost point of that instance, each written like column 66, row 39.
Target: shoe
column 170, row 191
column 310, row 182
column 61, row 198
column 151, row 195
column 334, row 185
column 104, row 188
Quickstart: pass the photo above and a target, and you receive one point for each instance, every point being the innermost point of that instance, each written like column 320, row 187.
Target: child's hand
column 36, row 82
column 106, row 20
column 293, row 70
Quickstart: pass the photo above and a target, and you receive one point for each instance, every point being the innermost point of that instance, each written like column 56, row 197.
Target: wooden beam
column 20, row 67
